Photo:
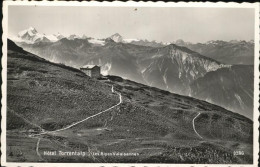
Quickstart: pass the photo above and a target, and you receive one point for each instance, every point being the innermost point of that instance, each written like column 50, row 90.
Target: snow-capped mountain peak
column 31, row 35
column 84, row 36
column 59, row 36
column 73, row 36
column 30, row 31
column 116, row 37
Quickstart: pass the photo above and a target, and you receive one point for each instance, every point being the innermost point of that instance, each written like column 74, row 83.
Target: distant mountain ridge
column 227, row 52
column 174, row 68
column 32, row 36
column 232, row 52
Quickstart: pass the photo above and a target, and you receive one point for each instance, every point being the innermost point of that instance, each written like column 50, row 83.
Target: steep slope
column 70, row 52
column 233, row 52
column 47, row 94
column 150, row 124
column 229, row 87
column 115, row 58
column 173, row 68
column 183, row 71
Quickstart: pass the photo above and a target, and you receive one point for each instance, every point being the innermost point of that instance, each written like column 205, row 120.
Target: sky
column 152, row 23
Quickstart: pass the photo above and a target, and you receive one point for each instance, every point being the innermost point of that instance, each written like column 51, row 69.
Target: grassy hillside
column 52, row 95
column 152, row 124
column 180, row 110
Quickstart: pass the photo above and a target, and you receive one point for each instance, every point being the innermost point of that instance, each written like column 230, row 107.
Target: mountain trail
column 193, row 124
column 37, row 149
column 76, row 123
column 31, row 136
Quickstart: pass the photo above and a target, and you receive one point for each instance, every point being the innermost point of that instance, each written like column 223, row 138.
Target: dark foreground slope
column 51, row 94
column 150, row 125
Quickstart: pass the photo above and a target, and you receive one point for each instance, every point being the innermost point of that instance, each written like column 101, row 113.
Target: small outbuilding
column 91, row 70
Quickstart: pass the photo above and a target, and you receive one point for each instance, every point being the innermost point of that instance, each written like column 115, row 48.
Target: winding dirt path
column 37, row 149
column 193, row 124
column 76, row 123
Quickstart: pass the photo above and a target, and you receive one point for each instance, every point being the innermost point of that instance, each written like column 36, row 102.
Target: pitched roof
column 88, row 66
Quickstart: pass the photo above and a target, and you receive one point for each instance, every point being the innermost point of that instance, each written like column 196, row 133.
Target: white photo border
column 6, row 4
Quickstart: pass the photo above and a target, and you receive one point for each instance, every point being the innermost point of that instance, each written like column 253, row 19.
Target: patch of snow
column 166, row 43
column 97, row 41
column 184, row 57
column 130, row 40
column 192, row 74
column 59, row 36
column 179, row 74
column 241, row 103
column 156, row 56
column 165, row 79
column 143, row 71
column 52, row 38
column 32, row 36
column 31, row 31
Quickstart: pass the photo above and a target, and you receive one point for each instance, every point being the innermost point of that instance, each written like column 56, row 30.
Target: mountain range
column 170, row 67
column 31, row 35
column 157, row 125
column 232, row 52
column 227, row 52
